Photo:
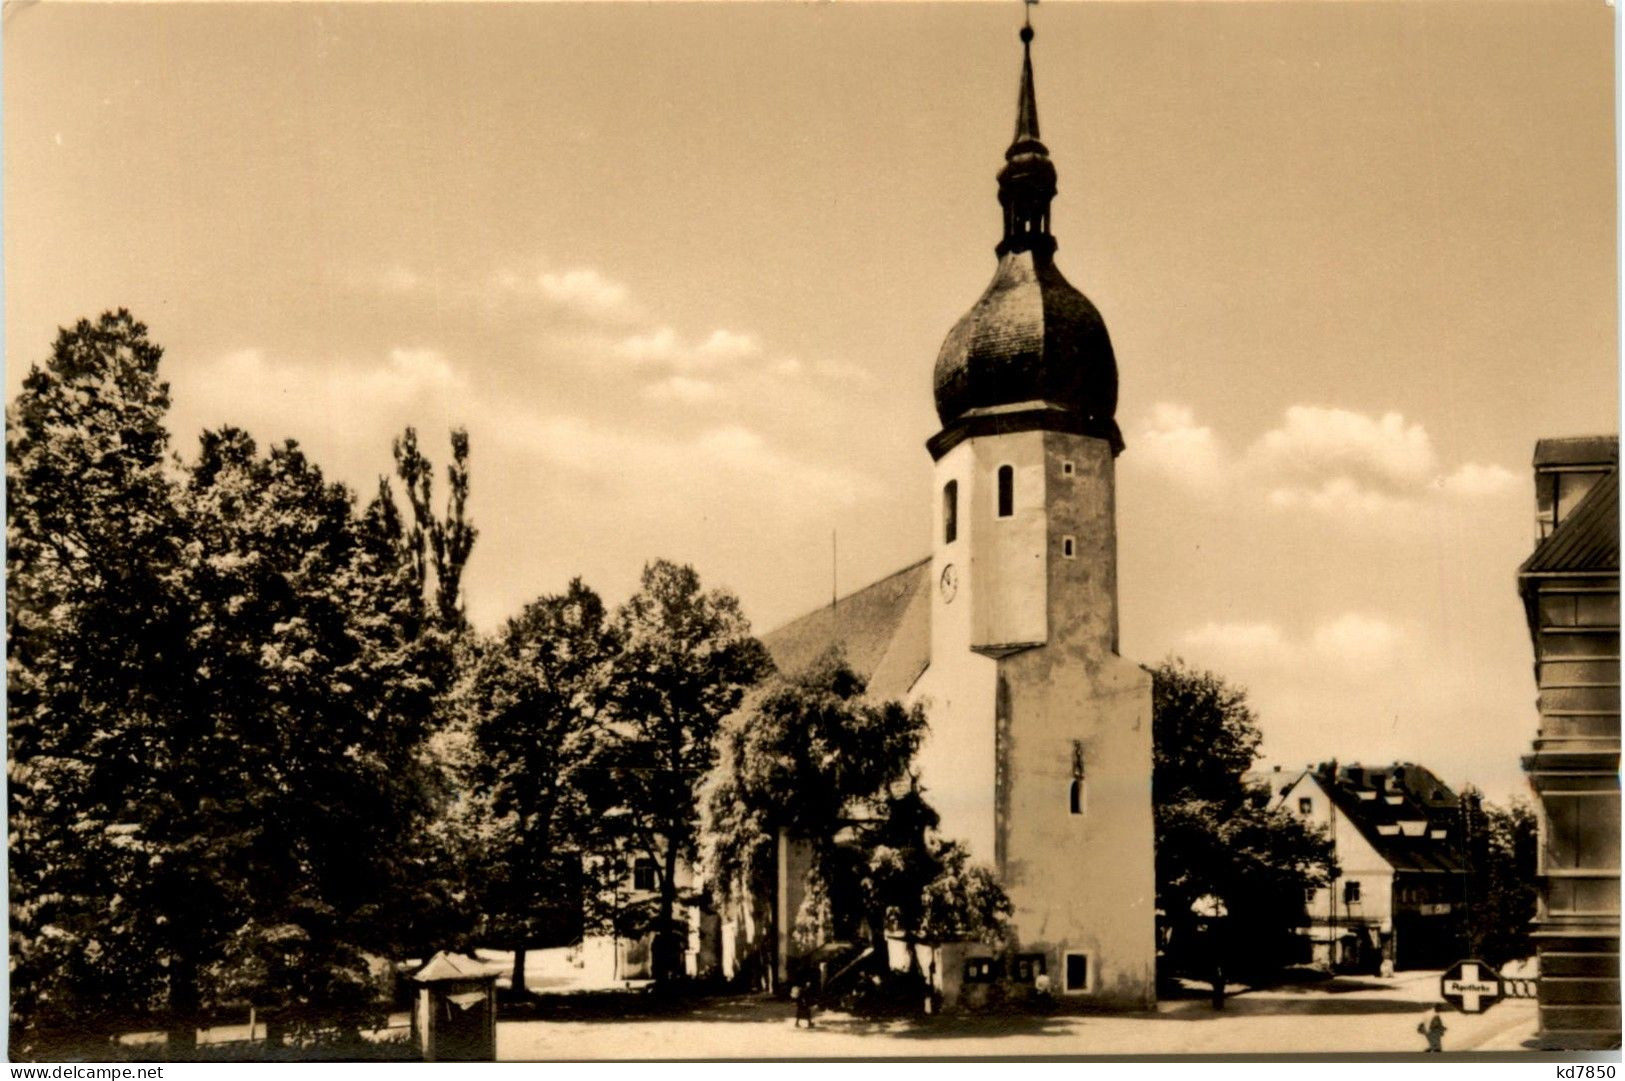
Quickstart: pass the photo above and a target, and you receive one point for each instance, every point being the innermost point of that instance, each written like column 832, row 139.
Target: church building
column 1039, row 750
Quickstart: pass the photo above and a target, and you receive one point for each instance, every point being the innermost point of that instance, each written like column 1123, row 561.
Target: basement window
column 1029, row 966
column 1077, row 973
column 980, row 970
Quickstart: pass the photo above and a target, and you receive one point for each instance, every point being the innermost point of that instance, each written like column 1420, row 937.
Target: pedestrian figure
column 802, row 994
column 1218, row 986
column 1433, row 1030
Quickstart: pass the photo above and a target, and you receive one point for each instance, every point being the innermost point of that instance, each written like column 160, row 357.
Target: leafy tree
column 814, row 757
column 220, row 697
column 534, row 697
column 319, row 695
column 921, row 886
column 437, row 543
column 96, row 636
column 1501, row 892
column 686, row 660
column 1214, row 837
column 811, row 756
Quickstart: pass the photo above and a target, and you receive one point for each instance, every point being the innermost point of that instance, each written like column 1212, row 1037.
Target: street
column 1346, row 1015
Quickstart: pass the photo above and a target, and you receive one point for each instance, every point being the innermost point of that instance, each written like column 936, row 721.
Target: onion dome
column 1033, row 352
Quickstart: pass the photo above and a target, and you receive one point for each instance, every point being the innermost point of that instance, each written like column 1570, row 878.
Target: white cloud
column 663, row 348
column 1359, row 640
column 1333, row 462
column 682, row 388
column 1474, row 480
column 1317, row 444
column 583, row 288
column 1173, row 442
column 1353, row 639
column 1245, row 637
column 729, row 461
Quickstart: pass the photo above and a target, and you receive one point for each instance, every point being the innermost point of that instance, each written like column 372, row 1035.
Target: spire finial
column 1027, row 182
column 1027, row 104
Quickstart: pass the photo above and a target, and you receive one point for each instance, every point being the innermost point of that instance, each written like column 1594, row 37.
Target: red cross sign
column 1471, row 986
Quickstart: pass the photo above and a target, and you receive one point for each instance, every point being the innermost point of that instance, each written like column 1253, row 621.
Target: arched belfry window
column 950, row 511
column 1007, row 491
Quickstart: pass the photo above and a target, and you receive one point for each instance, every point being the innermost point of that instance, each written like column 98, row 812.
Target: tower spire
column 1027, row 181
column 1027, row 105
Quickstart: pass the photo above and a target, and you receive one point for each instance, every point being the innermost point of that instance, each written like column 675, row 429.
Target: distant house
column 1570, row 590
column 1397, row 836
column 614, row 949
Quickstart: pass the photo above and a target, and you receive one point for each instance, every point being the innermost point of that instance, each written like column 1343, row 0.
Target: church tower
column 1039, row 755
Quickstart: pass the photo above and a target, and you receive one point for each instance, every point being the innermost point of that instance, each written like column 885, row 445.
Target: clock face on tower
column 949, row 583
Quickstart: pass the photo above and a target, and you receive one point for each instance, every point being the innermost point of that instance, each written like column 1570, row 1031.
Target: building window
column 1305, row 805
column 1582, row 831
column 1066, row 468
column 980, row 969
column 1029, row 966
column 1078, row 795
column 1068, row 547
column 1077, row 973
column 950, row 511
column 643, row 875
column 1007, row 491
column 1351, row 892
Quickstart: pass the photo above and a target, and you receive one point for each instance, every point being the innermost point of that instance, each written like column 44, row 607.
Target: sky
column 683, row 271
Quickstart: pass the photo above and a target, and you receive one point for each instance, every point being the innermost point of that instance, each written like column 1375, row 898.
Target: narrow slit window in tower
column 1007, row 491
column 950, row 511
column 1068, row 547
column 1077, row 797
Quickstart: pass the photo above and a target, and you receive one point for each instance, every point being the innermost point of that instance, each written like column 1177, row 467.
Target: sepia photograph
column 582, row 532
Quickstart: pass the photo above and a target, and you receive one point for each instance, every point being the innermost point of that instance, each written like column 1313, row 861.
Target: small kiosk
column 455, row 1015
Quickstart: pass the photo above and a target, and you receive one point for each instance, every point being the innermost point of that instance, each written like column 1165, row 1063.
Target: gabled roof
column 884, row 629
column 1386, row 802
column 1587, row 540
column 452, row 966
column 1577, row 450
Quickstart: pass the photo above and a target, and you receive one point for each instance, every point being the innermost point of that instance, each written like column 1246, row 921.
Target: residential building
column 1398, row 839
column 1570, row 591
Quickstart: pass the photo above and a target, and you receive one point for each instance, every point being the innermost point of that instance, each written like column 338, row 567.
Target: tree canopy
column 220, row 698
column 686, row 659
column 1215, row 836
column 815, row 758
column 535, row 698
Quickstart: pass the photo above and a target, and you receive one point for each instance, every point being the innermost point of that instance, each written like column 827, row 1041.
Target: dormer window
column 1007, row 491
column 950, row 511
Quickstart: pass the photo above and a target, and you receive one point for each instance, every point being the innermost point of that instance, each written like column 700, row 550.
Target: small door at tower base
column 454, row 1018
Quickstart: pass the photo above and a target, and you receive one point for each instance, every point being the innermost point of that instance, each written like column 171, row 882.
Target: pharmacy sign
column 1471, row 986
